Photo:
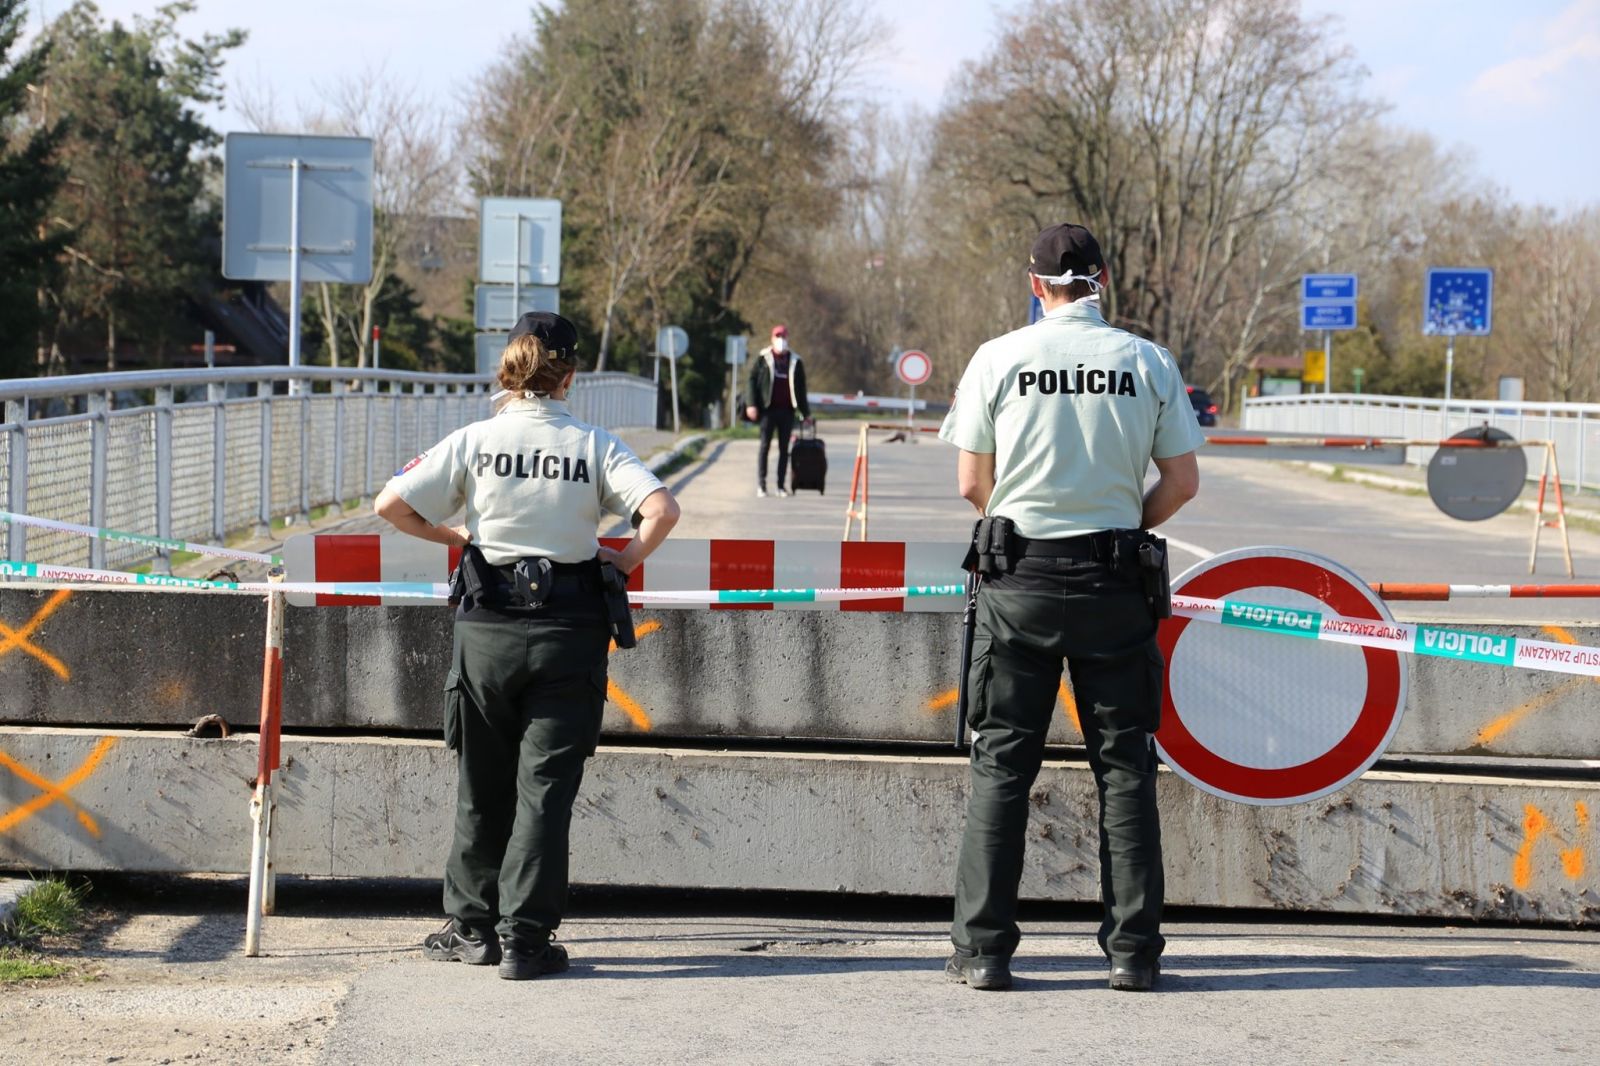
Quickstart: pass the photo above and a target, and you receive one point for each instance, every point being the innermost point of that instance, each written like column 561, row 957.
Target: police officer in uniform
column 1056, row 423
column 527, row 682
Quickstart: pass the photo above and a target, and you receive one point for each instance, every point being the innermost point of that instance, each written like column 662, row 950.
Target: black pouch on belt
column 1142, row 555
column 618, row 614
column 473, row 577
column 994, row 548
column 533, row 578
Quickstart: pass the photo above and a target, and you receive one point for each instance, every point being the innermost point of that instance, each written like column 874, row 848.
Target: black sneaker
column 986, row 975
column 454, row 944
column 523, row 962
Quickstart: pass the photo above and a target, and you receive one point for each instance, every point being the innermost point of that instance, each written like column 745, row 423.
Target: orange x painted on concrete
column 54, row 791
column 1069, row 705
column 1495, row 729
column 17, row 639
column 630, row 706
column 1537, row 825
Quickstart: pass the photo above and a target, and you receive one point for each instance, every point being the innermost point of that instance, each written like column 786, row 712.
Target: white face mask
column 780, row 344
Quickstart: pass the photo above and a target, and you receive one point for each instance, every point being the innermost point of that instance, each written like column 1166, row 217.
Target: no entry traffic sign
column 1253, row 716
column 913, row 367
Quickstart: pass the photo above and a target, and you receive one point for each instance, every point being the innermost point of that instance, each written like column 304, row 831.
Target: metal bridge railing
column 204, row 454
column 1573, row 427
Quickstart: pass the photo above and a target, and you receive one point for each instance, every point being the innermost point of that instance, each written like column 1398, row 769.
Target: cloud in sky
column 1569, row 42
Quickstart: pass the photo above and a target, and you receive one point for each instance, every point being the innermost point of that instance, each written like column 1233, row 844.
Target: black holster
column 525, row 585
column 1142, row 556
column 614, row 584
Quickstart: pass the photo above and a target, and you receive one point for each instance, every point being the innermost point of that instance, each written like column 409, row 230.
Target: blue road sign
column 1459, row 300
column 1327, row 316
column 1315, row 288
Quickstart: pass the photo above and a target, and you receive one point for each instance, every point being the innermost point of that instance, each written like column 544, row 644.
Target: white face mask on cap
column 780, row 344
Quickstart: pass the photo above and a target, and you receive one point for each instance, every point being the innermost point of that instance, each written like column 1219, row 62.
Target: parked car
column 1204, row 410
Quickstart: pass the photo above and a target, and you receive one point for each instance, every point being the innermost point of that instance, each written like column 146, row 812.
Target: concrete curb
column 666, row 459
column 1383, row 481
column 12, row 891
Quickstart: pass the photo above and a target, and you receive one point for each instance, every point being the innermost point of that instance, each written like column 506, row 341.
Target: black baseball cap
column 1065, row 248
column 557, row 334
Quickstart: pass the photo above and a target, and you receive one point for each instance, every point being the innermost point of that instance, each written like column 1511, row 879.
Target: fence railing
column 1573, row 427
column 202, row 455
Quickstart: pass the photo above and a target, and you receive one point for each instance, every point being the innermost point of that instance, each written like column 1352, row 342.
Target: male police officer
column 1057, row 423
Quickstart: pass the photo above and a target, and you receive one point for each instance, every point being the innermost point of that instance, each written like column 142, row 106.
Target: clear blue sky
column 1514, row 83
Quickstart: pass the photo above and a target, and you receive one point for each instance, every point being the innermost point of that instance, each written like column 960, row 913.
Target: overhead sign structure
column 913, row 367
column 519, row 241
column 1474, row 484
column 296, row 209
column 1263, row 719
column 493, row 308
column 1460, row 301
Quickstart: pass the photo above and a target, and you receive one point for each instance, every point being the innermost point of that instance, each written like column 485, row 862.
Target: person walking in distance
column 538, row 604
column 1056, row 424
column 775, row 391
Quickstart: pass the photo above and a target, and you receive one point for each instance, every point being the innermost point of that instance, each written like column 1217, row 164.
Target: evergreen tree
column 29, row 181
column 140, row 156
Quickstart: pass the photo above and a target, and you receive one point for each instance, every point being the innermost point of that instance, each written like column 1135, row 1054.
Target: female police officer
column 527, row 683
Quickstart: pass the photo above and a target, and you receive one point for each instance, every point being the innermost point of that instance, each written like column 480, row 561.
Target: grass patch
column 742, row 431
column 681, row 460
column 53, row 907
column 17, row 966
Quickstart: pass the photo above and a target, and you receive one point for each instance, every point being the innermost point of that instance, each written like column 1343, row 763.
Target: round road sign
column 913, row 367
column 1473, row 484
column 1267, row 719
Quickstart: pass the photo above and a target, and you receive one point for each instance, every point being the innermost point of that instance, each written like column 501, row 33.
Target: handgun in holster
column 1142, row 555
column 614, row 585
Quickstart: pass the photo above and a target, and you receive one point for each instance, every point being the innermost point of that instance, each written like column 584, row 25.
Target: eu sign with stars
column 1459, row 301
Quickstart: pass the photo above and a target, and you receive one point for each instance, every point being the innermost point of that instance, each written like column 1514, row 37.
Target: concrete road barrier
column 144, row 659
column 1399, row 844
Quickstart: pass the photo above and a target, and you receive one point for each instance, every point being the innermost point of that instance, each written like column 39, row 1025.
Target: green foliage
column 409, row 338
column 29, row 180
column 140, row 156
column 52, row 907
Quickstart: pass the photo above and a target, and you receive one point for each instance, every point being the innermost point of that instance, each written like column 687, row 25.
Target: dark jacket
column 758, row 389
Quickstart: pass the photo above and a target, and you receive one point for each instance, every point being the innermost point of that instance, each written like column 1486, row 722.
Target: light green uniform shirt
column 534, row 479
column 1073, row 410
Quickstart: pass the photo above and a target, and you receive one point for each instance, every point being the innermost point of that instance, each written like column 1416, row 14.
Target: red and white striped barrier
column 678, row 565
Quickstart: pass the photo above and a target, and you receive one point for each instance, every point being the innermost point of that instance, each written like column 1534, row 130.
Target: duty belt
column 1086, row 546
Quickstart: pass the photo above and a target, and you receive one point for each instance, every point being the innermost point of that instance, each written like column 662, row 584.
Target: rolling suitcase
column 808, row 460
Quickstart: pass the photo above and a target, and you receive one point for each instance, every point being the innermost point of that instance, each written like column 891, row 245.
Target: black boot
column 522, row 962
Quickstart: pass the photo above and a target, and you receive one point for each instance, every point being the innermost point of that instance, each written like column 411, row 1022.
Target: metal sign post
column 671, row 343
column 914, row 368
column 1459, row 300
column 326, row 235
column 736, row 350
column 1328, row 302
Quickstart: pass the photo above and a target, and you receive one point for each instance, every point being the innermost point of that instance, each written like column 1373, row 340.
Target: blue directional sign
column 1459, row 301
column 1328, row 301
column 1327, row 316
column 1316, row 288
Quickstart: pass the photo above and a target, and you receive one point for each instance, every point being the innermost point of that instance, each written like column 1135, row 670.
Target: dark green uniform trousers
column 1027, row 623
column 523, row 702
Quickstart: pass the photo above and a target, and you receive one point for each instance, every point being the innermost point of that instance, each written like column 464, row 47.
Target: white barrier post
column 263, row 806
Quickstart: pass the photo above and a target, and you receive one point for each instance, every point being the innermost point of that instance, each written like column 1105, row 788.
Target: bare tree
column 1556, row 304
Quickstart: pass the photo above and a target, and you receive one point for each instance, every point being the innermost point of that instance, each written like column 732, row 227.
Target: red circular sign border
column 900, row 362
column 1351, row 755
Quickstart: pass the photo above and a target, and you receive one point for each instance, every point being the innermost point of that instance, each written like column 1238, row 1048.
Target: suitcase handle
column 808, row 429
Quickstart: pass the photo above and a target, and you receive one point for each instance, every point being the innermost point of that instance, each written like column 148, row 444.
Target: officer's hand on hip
column 463, row 535
column 614, row 557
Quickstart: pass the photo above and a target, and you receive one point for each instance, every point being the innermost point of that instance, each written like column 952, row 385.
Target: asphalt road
column 706, row 980
column 1243, row 502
